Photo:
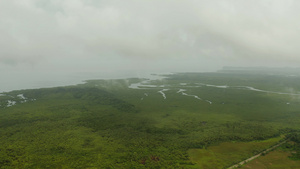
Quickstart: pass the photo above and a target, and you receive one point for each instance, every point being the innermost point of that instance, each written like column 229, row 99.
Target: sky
column 109, row 36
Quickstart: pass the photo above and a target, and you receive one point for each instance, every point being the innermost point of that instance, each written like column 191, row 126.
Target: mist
column 55, row 39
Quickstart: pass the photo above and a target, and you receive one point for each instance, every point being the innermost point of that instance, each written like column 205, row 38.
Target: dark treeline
column 295, row 145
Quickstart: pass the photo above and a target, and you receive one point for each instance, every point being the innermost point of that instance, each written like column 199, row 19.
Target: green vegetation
column 228, row 153
column 294, row 145
column 283, row 157
column 105, row 124
column 286, row 156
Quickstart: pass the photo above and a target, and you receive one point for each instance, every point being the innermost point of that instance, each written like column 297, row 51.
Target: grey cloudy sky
column 136, row 35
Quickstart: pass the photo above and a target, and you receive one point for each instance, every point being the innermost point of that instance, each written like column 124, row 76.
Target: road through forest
column 256, row 156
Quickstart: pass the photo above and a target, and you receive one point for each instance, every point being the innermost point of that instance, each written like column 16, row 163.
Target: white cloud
column 123, row 35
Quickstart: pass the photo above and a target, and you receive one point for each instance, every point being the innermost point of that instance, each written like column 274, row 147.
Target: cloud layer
column 169, row 35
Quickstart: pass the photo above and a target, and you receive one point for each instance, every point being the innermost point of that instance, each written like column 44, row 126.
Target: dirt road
column 254, row 157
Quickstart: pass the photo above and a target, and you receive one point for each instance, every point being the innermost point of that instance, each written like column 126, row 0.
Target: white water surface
column 11, row 103
column 217, row 86
column 163, row 94
column 208, row 101
column 21, row 96
column 145, row 83
column 34, row 80
column 182, row 91
column 248, row 88
column 266, row 91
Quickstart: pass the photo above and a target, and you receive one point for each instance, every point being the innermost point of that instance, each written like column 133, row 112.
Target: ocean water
column 24, row 80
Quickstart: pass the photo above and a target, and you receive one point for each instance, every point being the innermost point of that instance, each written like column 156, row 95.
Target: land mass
column 183, row 120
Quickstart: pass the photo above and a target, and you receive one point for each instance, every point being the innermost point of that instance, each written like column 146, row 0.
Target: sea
column 22, row 80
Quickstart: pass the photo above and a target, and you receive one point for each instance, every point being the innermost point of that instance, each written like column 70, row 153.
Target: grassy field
column 274, row 160
column 285, row 156
column 188, row 120
column 228, row 153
